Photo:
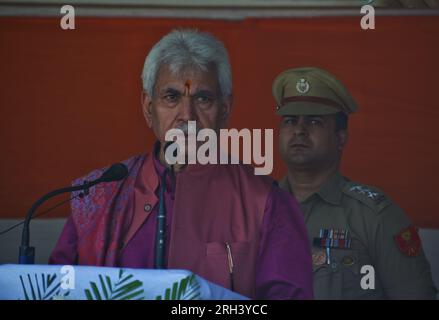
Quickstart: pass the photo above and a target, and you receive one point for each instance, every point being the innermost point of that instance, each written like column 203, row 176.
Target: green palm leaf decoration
column 42, row 287
column 187, row 289
column 125, row 288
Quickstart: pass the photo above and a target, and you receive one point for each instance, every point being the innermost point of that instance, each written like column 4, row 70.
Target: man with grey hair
column 223, row 222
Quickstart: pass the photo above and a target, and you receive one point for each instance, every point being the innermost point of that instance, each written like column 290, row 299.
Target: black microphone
column 116, row 172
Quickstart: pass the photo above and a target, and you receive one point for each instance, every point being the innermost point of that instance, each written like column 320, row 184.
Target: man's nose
column 301, row 129
column 187, row 110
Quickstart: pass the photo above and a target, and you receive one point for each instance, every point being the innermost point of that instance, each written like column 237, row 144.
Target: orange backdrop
column 70, row 100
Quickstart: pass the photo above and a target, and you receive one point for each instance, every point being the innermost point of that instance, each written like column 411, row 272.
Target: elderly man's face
column 310, row 142
column 193, row 95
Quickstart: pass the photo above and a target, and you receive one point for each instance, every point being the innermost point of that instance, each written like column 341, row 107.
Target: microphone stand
column 27, row 253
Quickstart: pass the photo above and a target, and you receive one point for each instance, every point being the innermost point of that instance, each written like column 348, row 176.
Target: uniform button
column 147, row 207
column 348, row 261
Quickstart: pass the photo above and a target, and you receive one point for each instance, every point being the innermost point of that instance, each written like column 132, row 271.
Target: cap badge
column 302, row 86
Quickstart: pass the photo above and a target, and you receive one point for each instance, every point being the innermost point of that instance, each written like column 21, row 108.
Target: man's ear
column 146, row 102
column 342, row 136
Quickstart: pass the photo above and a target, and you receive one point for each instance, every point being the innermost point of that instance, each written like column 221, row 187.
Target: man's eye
column 290, row 121
column 316, row 122
column 171, row 97
column 203, row 99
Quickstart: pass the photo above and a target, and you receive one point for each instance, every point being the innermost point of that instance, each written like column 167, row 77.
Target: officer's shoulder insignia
column 408, row 242
column 370, row 196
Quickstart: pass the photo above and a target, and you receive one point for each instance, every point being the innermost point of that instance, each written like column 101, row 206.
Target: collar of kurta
column 146, row 185
column 147, row 182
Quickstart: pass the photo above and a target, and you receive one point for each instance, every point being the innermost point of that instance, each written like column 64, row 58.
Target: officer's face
column 192, row 95
column 310, row 141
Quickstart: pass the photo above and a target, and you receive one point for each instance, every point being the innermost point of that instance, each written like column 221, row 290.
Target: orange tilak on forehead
column 187, row 88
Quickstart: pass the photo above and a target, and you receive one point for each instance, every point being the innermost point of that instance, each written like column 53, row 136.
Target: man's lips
column 299, row 145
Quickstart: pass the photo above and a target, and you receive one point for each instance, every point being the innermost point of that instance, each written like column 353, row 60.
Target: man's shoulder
column 93, row 199
column 366, row 195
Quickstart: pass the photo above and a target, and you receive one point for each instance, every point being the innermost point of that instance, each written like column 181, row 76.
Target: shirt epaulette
column 370, row 196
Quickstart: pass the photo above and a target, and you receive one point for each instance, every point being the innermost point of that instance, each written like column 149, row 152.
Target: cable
column 40, row 214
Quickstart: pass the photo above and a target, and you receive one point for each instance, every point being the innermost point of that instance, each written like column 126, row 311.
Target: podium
column 56, row 282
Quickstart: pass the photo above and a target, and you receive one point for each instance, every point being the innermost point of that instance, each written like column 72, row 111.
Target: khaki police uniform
column 363, row 245
column 373, row 222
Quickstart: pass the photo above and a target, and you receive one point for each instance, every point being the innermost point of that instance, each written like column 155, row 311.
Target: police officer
column 363, row 245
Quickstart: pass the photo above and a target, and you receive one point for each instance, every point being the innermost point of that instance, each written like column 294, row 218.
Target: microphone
column 116, row 172
column 26, row 255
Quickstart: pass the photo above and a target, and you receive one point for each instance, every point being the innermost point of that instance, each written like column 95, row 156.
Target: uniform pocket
column 348, row 265
column 352, row 277
column 338, row 278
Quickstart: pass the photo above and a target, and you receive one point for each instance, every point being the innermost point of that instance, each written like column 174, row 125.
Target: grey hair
column 181, row 49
